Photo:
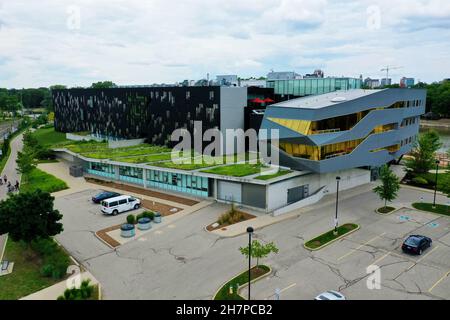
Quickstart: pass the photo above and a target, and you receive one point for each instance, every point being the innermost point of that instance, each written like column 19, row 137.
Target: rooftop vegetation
column 236, row 170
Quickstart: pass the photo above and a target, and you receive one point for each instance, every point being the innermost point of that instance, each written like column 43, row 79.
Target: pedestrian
column 5, row 178
column 17, row 185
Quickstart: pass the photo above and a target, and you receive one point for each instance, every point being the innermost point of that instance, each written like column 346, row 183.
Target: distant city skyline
column 78, row 42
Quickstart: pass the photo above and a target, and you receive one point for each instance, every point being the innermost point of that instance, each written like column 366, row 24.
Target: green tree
column 423, row 154
column 103, row 85
column 29, row 216
column 389, row 187
column 259, row 250
column 25, row 162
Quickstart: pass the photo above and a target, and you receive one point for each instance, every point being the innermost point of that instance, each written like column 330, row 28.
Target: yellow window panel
column 300, row 126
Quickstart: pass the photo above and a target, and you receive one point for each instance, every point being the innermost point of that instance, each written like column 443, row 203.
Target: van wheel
column 136, row 206
column 115, row 212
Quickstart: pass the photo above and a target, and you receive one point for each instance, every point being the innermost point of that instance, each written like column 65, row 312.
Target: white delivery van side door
column 123, row 205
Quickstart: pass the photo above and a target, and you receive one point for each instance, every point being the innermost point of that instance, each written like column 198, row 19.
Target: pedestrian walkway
column 13, row 175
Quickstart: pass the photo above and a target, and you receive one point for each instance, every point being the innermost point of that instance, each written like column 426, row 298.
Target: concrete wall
column 232, row 103
column 302, row 203
column 277, row 193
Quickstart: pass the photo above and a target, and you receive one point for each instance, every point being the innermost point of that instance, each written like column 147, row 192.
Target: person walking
column 16, row 186
column 5, row 178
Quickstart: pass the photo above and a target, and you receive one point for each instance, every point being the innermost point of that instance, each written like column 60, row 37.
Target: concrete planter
column 127, row 230
column 157, row 218
column 144, row 224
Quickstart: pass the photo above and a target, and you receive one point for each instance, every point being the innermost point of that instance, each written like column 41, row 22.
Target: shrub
column 83, row 293
column 131, row 219
column 55, row 259
column 149, row 214
column 420, row 180
column 231, row 217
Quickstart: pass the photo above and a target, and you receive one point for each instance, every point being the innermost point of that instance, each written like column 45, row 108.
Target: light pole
column 337, row 200
column 435, row 184
column 250, row 232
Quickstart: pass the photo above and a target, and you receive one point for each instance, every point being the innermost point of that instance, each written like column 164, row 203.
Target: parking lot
column 343, row 266
column 183, row 261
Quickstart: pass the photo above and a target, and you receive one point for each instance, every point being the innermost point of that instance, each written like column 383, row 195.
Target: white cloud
column 142, row 42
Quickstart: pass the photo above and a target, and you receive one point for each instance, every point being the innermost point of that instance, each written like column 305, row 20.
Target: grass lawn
column 26, row 277
column 443, row 180
column 236, row 170
column 49, row 137
column 145, row 158
column 39, row 179
column 440, row 208
column 275, row 175
column 255, row 272
column 329, row 236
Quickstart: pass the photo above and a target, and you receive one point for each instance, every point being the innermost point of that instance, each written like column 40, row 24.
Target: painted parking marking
column 439, row 281
column 404, row 218
column 379, row 259
column 423, row 257
column 364, row 244
column 281, row 291
column 158, row 232
column 433, row 225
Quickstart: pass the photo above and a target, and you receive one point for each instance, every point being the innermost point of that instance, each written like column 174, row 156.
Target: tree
column 259, row 250
column 423, row 154
column 389, row 187
column 25, row 162
column 29, row 216
column 103, row 85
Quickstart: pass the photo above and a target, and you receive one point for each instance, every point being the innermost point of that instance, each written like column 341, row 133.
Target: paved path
column 11, row 173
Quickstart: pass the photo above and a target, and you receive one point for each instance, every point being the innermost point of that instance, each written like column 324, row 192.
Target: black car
column 104, row 195
column 416, row 244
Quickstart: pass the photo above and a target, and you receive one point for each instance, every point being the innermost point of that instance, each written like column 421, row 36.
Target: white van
column 120, row 204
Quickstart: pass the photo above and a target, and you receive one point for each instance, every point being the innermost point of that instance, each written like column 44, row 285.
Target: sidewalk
column 53, row 292
column 11, row 173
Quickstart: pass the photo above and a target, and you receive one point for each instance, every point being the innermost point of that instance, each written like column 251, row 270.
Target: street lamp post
column 249, row 231
column 435, row 184
column 337, row 201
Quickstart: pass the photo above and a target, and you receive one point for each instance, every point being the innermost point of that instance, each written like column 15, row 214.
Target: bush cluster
column 420, row 180
column 146, row 214
column 83, row 293
column 55, row 259
column 231, row 217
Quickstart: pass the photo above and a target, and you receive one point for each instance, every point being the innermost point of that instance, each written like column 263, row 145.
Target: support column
column 144, row 177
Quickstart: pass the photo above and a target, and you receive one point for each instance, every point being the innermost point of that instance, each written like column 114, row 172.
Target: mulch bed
column 102, row 234
column 162, row 208
column 246, row 216
column 146, row 192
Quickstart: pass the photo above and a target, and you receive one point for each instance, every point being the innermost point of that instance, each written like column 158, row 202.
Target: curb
column 332, row 241
column 4, row 248
column 244, row 285
column 389, row 213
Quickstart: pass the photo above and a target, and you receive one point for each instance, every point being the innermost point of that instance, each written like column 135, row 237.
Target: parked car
column 330, row 295
column 120, row 204
column 416, row 244
column 99, row 197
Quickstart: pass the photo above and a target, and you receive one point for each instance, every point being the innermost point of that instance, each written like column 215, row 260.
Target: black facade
column 136, row 112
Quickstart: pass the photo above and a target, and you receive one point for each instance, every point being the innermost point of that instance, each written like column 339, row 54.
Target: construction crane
column 389, row 68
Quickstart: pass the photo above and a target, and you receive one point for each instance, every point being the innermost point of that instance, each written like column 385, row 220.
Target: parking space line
column 379, row 259
column 281, row 291
column 439, row 281
column 364, row 244
column 423, row 257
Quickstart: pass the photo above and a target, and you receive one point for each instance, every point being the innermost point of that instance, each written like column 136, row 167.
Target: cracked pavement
column 186, row 262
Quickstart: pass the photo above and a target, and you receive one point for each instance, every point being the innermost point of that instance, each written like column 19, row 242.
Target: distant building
column 386, row 82
column 252, row 83
column 227, row 80
column 371, row 83
column 406, row 82
column 288, row 89
column 316, row 74
column 284, row 75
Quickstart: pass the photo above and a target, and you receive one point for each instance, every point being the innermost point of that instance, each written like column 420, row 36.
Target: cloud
column 140, row 42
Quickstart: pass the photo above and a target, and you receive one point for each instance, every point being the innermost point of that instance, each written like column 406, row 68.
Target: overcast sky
column 78, row 42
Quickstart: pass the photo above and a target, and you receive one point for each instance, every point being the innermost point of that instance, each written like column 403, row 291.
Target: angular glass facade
column 101, row 169
column 131, row 175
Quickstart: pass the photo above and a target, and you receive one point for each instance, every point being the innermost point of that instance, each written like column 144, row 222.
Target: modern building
column 386, row 82
column 287, row 89
column 371, row 83
column 406, row 82
column 252, row 83
column 346, row 129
